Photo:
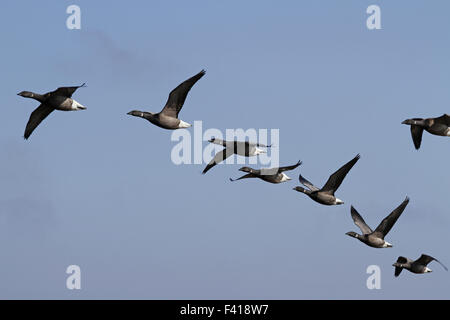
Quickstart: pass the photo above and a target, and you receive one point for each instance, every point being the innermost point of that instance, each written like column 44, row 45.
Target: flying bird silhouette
column 418, row 266
column 60, row 99
column 246, row 149
column 437, row 126
column 375, row 238
column 272, row 175
column 167, row 118
column 326, row 194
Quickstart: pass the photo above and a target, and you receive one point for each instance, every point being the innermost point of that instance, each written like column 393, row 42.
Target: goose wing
column 178, row 95
column 245, row 176
column 67, row 91
column 444, row 119
column 416, row 134
column 288, row 168
column 306, row 183
column 426, row 259
column 37, row 116
column 359, row 221
column 386, row 225
column 219, row 157
column 336, row 178
column 398, row 270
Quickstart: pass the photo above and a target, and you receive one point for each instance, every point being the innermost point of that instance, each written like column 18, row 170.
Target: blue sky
column 98, row 189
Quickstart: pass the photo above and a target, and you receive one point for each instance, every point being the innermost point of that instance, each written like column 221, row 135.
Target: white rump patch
column 183, row 124
column 256, row 151
column 77, row 106
column 284, row 177
column 387, row 245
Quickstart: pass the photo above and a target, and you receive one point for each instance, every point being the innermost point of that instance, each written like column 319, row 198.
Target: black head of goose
column 439, row 126
column 375, row 238
column 272, row 175
column 167, row 118
column 326, row 195
column 418, row 266
column 242, row 148
column 60, row 99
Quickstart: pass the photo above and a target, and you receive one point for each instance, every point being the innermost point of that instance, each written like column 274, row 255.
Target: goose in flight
column 326, row 194
column 375, row 238
column 246, row 149
column 168, row 117
column 60, row 99
column 418, row 266
column 438, row 126
column 272, row 175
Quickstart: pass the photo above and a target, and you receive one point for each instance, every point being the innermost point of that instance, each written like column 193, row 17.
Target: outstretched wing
column 386, row 225
column 398, row 270
column 218, row 158
column 36, row 118
column 288, row 168
column 178, row 95
column 426, row 259
column 359, row 221
column 444, row 119
column 336, row 178
column 306, row 183
column 248, row 175
column 416, row 134
column 67, row 91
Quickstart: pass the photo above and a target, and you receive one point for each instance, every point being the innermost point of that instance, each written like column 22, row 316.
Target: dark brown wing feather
column 178, row 96
column 36, row 118
column 359, row 221
column 288, row 168
column 306, row 183
column 426, row 259
column 386, row 225
column 444, row 119
column 248, row 175
column 416, row 134
column 218, row 158
column 398, row 270
column 66, row 91
column 336, row 178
